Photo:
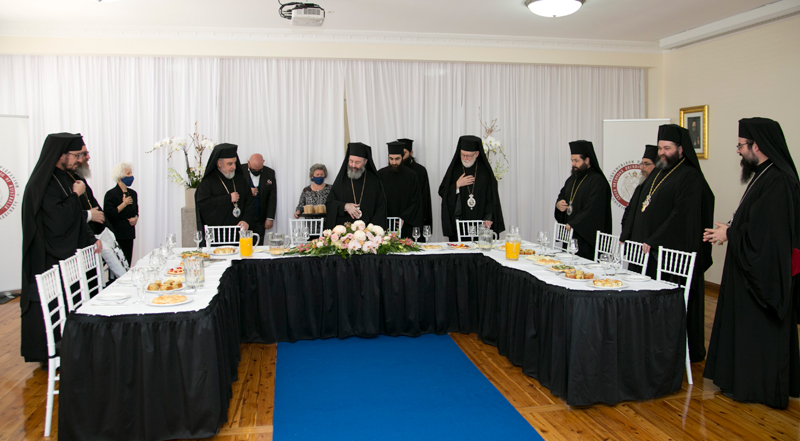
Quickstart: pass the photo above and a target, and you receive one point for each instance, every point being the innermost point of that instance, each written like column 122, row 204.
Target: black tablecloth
column 169, row 376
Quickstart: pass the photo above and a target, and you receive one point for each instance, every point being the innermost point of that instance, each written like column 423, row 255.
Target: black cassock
column 425, row 192
column 591, row 209
column 214, row 204
column 61, row 230
column 753, row 352
column 402, row 197
column 673, row 219
column 627, row 215
column 456, row 203
column 372, row 203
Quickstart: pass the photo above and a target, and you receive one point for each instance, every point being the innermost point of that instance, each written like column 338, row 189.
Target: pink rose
column 334, row 237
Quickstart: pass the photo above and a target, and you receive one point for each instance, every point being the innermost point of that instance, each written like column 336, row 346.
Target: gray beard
column 642, row 178
column 355, row 174
column 468, row 164
column 84, row 171
column 229, row 175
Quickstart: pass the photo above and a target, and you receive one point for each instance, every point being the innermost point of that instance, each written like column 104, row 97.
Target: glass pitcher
column 246, row 243
column 486, row 238
column 278, row 243
column 194, row 272
column 513, row 240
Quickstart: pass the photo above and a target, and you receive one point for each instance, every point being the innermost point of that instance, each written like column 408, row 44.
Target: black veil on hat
column 769, row 138
column 396, row 147
column 585, row 148
column 55, row 145
column 651, row 153
column 471, row 143
column 223, row 151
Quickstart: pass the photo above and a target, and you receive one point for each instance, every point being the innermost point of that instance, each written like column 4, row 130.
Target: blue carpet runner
column 388, row 388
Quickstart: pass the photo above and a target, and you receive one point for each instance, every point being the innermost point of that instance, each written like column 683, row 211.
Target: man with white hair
column 357, row 193
column 223, row 197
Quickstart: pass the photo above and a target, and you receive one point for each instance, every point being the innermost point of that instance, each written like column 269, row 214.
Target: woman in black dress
column 122, row 208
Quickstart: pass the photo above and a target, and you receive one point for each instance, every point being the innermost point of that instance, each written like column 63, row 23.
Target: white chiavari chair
column 74, row 279
column 468, row 229
column 681, row 264
column 633, row 254
column 561, row 236
column 52, row 301
column 394, row 226
column 92, row 268
column 605, row 244
column 296, row 225
column 227, row 235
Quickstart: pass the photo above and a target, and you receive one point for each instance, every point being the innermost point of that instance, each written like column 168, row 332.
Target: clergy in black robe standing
column 53, row 228
column 647, row 166
column 674, row 207
column 584, row 203
column 469, row 189
column 95, row 213
column 224, row 192
column 357, row 192
column 422, row 176
column 753, row 354
column 401, row 187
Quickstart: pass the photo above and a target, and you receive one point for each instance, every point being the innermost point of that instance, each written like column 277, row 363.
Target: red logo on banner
column 8, row 193
column 624, row 180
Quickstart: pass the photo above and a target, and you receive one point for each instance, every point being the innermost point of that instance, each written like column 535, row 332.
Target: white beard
column 84, row 171
column 229, row 175
column 355, row 174
column 468, row 164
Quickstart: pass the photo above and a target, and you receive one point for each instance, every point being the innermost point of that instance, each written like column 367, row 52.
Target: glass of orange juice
column 512, row 244
column 246, row 243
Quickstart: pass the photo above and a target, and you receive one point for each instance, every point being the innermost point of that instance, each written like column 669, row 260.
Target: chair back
column 394, row 226
column 605, row 244
column 92, row 267
column 561, row 236
column 464, row 227
column 314, row 228
column 52, row 301
column 75, row 282
column 633, row 254
column 227, row 235
column 681, row 264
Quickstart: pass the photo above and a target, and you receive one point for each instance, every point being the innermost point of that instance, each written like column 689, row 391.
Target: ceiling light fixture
column 554, row 8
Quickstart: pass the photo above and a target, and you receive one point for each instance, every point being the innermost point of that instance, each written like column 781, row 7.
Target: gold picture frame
column 696, row 120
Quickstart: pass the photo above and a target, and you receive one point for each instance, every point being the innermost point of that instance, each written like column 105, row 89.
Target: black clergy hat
column 75, row 144
column 396, row 147
column 769, row 138
column 227, row 151
column 470, row 143
column 681, row 137
column 359, row 149
column 651, row 152
column 585, row 148
column 409, row 143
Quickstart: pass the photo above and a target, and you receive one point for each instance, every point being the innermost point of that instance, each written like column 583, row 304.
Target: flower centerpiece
column 194, row 166
column 493, row 148
column 356, row 238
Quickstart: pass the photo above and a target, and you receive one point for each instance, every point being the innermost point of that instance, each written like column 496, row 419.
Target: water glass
column 209, row 240
column 426, row 233
column 140, row 280
column 198, row 237
column 473, row 232
column 572, row 248
column 172, row 240
column 305, row 233
column 545, row 240
column 605, row 262
column 415, row 233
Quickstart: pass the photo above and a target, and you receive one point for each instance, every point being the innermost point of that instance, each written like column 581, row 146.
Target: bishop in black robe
column 584, row 203
column 53, row 228
column 422, row 176
column 680, row 206
column 363, row 190
column 481, row 193
column 213, row 198
column 753, row 354
column 649, row 159
column 401, row 187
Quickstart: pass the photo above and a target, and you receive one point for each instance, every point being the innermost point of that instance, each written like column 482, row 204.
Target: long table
column 169, row 375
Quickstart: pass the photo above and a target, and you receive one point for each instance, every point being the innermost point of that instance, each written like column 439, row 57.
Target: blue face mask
column 127, row 180
column 318, row 180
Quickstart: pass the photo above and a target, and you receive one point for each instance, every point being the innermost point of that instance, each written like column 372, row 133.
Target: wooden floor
column 697, row 413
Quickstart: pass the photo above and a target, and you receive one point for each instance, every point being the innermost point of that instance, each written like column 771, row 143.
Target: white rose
column 360, row 236
column 327, row 233
column 378, row 230
column 359, row 225
column 339, row 229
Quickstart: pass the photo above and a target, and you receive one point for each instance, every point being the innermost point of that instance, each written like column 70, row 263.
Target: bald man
column 265, row 193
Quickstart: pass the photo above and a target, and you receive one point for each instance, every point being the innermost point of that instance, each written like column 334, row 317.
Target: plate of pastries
column 543, row 261
column 169, row 300
column 577, row 274
column 224, row 250
column 178, row 271
column 431, row 247
column 459, row 246
column 526, row 252
column 607, row 284
column 171, row 284
column 562, row 268
column 186, row 254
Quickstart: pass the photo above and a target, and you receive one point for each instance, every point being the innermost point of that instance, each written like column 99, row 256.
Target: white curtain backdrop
column 292, row 112
column 539, row 109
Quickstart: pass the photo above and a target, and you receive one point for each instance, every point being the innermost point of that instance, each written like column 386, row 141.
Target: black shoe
column 728, row 394
column 44, row 366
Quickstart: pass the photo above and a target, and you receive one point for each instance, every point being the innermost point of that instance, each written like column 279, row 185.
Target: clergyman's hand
column 97, row 215
column 562, row 205
column 268, row 224
column 465, row 180
column 645, row 248
column 243, row 225
column 79, row 188
column 567, row 227
column 235, row 196
column 98, row 247
column 718, row 235
column 487, row 224
column 353, row 210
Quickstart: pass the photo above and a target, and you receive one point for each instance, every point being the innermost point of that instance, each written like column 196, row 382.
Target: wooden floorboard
column 698, row 412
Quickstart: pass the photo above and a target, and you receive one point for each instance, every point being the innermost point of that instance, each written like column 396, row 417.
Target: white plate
column 563, row 256
column 431, row 249
column 635, row 277
column 591, row 284
column 594, row 265
column 460, row 249
column 167, row 292
column 111, row 296
column 149, row 301
column 564, row 276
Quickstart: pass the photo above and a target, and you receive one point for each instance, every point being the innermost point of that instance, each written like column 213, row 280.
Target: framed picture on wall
column 696, row 120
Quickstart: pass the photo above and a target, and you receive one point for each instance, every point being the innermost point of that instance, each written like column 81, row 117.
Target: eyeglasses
column 740, row 145
column 646, row 164
column 78, row 155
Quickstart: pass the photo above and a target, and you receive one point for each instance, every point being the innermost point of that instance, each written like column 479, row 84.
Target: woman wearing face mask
column 121, row 207
column 317, row 192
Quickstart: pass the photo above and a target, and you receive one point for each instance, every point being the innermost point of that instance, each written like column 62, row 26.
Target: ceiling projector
column 302, row 14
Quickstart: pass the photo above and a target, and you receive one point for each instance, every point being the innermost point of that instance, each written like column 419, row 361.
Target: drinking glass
column 473, row 232
column 209, row 240
column 604, row 262
column 155, row 260
column 615, row 260
column 415, row 233
column 305, row 233
column 172, row 240
column 140, row 276
column 546, row 240
column 426, row 233
column 198, row 237
column 572, row 248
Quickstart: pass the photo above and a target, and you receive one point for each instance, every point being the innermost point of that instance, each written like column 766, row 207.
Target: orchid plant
column 493, row 148
column 192, row 150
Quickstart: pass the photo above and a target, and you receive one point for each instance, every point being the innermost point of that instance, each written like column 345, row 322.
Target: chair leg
column 688, row 365
column 51, row 388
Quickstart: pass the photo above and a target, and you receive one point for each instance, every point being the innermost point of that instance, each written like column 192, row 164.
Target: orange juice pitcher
column 246, row 243
column 513, row 240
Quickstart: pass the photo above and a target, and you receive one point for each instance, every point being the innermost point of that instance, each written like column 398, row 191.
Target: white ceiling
column 620, row 20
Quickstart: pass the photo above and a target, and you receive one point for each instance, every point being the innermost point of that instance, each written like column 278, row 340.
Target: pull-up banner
column 13, row 177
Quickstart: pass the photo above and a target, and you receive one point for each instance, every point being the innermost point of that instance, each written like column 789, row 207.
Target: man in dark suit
column 265, row 194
